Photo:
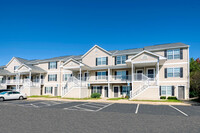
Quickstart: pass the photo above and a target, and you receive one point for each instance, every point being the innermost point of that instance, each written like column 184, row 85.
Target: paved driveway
column 59, row 116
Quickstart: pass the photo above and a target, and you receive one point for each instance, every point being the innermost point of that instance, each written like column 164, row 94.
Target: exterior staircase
column 144, row 85
column 75, row 88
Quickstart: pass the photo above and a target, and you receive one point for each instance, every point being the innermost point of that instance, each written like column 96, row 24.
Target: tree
column 194, row 77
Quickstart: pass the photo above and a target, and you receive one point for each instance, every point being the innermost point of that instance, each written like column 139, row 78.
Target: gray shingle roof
column 4, row 72
column 36, row 69
column 165, row 46
column 127, row 51
column 113, row 52
column 21, row 60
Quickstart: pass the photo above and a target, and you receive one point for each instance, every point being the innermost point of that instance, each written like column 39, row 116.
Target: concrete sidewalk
column 115, row 101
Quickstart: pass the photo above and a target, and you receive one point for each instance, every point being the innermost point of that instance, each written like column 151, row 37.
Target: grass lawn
column 171, row 100
column 48, row 96
column 117, row 98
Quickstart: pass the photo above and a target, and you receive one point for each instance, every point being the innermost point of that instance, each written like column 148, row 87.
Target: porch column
column 80, row 83
column 30, row 78
column 157, row 76
column 132, row 72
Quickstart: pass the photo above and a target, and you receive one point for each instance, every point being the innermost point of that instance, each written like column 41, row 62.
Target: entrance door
column 181, row 92
column 115, row 91
column 139, row 75
column 55, row 91
column 106, row 91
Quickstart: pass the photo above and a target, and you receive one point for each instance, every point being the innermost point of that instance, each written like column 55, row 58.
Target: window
column 173, row 72
column 173, row 54
column 101, row 75
column 48, row 90
column 166, row 91
column 120, row 74
column 126, row 90
column 120, row 59
column 101, row 61
column 52, row 77
column 15, row 67
column 66, row 76
column 52, row 65
column 97, row 89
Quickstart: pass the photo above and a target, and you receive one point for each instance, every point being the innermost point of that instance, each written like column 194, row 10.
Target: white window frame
column 53, row 66
column 166, row 91
column 52, row 77
column 173, row 54
column 120, row 76
column 121, row 60
column 173, row 72
column 97, row 89
column 101, row 61
column 48, row 90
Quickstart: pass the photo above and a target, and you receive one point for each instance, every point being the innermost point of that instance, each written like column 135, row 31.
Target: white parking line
column 136, row 111
column 104, row 107
column 178, row 110
column 90, row 105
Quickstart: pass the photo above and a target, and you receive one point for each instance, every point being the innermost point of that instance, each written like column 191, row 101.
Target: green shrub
column 163, row 97
column 96, row 95
column 127, row 97
column 172, row 98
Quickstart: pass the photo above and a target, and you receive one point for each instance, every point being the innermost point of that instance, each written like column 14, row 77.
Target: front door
column 55, row 91
column 106, row 91
column 115, row 91
column 139, row 75
column 181, row 92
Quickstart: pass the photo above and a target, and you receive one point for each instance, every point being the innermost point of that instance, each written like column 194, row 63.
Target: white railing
column 71, row 83
column 121, row 78
column 144, row 85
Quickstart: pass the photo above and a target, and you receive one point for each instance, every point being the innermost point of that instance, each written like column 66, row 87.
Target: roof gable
column 147, row 52
column 96, row 46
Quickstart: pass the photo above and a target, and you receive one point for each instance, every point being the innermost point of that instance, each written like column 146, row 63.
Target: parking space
column 135, row 109
column 90, row 106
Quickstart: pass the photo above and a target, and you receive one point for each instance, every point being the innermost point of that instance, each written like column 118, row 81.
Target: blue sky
column 39, row 29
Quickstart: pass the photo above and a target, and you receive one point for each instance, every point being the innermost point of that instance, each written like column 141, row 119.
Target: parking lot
column 135, row 109
column 93, row 117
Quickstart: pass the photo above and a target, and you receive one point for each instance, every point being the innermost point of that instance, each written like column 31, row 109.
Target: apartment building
column 142, row 73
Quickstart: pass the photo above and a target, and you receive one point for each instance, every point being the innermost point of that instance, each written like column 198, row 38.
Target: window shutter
column 160, row 91
column 92, row 90
column 127, row 57
column 165, row 53
column 56, row 77
column 45, row 90
column 106, row 60
column 51, row 90
column 126, row 74
column 172, row 90
column 96, row 61
column 56, row 65
column 115, row 60
column 96, row 75
column 121, row 90
column 165, row 72
column 48, row 77
column 181, row 53
column 181, row 72
column 49, row 65
column 115, row 75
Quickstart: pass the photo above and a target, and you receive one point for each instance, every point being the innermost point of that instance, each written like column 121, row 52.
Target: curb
column 112, row 101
